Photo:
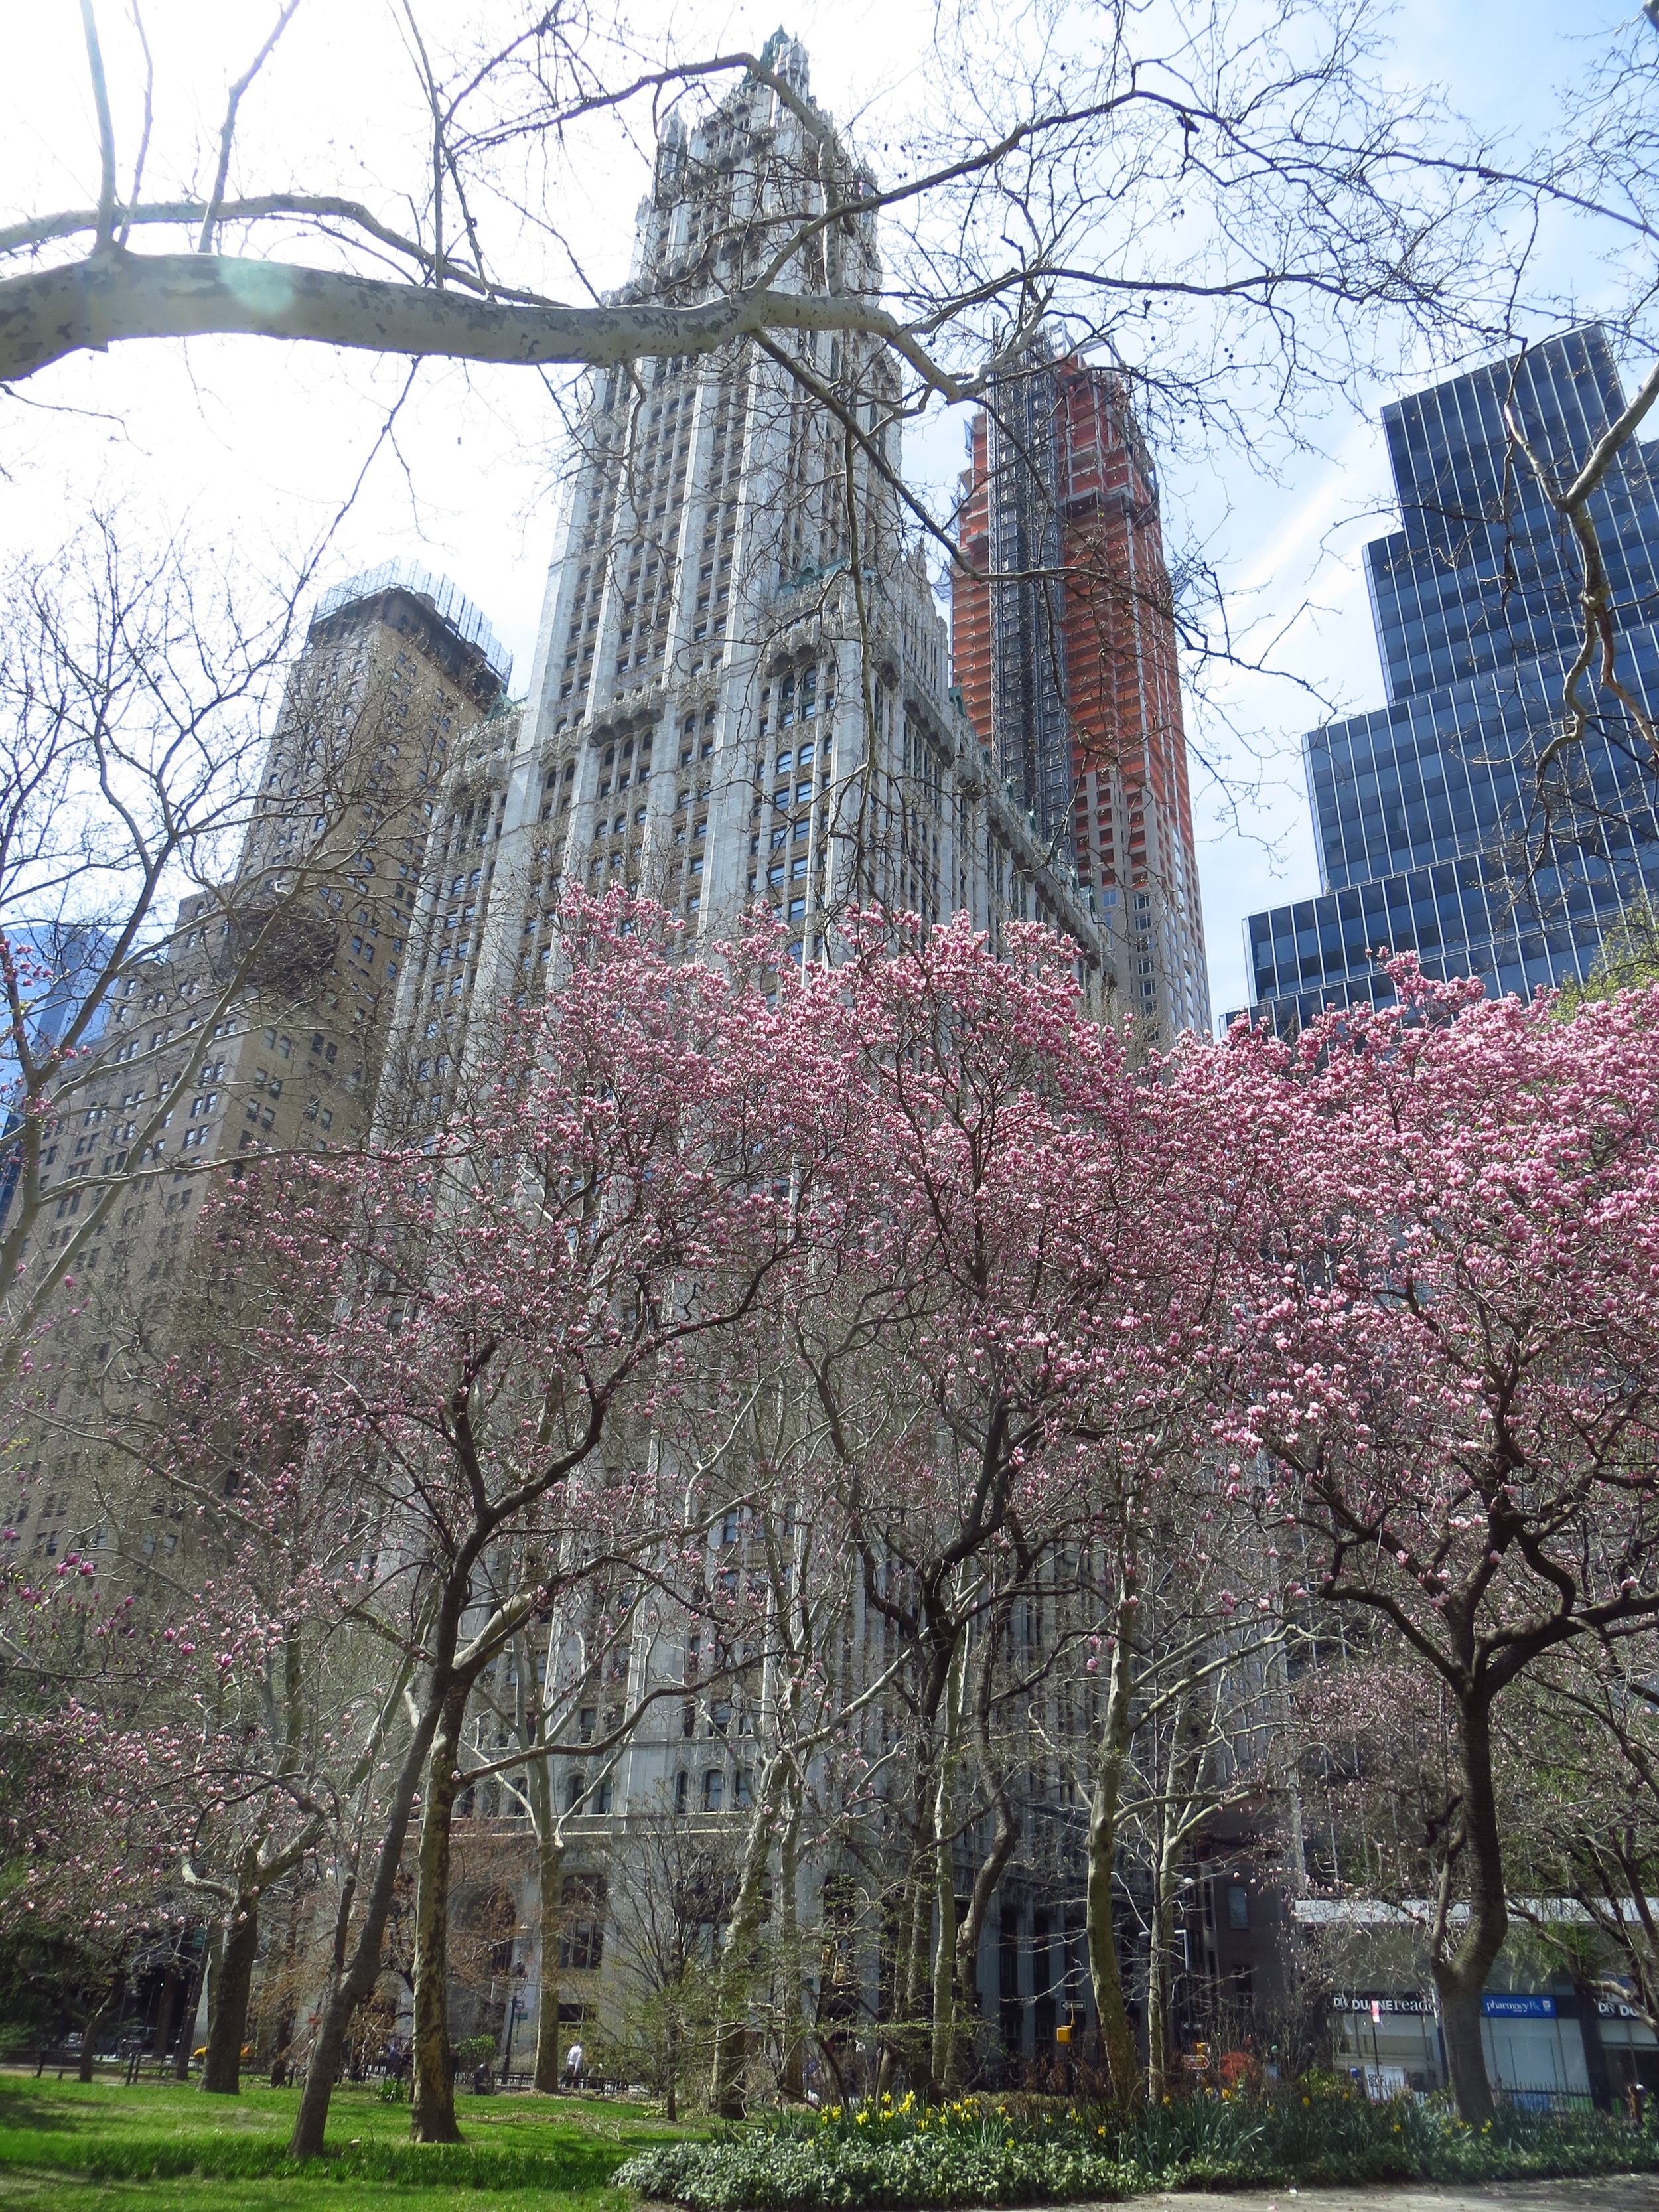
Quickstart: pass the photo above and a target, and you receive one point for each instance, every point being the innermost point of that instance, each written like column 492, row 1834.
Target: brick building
column 1063, row 641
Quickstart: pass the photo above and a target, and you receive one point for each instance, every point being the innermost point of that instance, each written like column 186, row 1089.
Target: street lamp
column 512, row 2004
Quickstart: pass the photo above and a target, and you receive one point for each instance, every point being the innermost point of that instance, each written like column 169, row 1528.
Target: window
column 575, row 1788
column 581, row 1923
column 682, row 1789
column 1238, row 1907
column 713, row 1790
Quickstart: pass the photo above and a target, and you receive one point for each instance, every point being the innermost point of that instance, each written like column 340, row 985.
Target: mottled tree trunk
column 1004, row 1838
column 912, row 1982
column 732, row 2010
column 1160, row 1948
column 791, row 2076
column 550, row 1859
column 221, row 2067
column 942, row 2058
column 350, row 1984
column 432, row 2115
column 1122, row 2061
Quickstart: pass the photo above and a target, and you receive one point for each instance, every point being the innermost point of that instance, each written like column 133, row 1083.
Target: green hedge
column 989, row 2151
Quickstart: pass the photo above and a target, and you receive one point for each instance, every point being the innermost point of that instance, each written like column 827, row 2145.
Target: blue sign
column 1518, row 2007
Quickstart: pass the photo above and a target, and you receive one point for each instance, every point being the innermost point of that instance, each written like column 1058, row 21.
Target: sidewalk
column 1614, row 2193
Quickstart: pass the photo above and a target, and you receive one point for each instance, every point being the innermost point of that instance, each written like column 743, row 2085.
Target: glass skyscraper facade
column 1437, row 832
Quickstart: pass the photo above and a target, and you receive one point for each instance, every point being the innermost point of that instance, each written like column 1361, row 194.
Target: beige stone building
column 260, row 1022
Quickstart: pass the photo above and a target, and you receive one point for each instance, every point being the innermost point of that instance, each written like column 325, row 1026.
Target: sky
column 243, row 444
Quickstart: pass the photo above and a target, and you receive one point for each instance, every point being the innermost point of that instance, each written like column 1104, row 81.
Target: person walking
column 573, row 2065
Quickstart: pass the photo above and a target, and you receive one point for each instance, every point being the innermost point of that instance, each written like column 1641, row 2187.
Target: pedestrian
column 573, row 2065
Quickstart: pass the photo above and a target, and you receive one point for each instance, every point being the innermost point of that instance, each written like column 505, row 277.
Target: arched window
column 713, row 1790
column 573, row 1793
column 681, row 1789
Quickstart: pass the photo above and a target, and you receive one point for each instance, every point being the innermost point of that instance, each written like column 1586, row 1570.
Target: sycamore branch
column 96, row 303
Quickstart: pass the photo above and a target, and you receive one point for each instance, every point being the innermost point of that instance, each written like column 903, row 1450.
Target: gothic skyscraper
column 741, row 688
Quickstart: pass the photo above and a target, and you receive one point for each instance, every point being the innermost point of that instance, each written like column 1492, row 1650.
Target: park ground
column 105, row 2147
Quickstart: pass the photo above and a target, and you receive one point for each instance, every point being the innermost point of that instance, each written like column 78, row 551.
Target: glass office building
column 1444, row 827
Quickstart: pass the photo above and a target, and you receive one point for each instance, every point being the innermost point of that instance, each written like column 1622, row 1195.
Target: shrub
column 989, row 2151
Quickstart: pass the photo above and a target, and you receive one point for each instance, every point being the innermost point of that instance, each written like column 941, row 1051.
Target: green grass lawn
column 101, row 2146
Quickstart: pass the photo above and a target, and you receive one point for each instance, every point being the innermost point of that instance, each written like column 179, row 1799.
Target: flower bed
column 983, row 2150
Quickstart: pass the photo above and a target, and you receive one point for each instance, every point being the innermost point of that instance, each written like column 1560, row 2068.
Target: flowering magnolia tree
column 87, row 1818
column 997, row 1345
column 625, row 1183
column 730, row 1304
column 1445, row 1339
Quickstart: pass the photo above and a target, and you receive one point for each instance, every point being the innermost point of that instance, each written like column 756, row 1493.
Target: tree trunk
column 549, row 1855
column 790, row 2076
column 1460, row 1975
column 432, row 2115
column 992, row 1868
column 351, row 1984
column 915, row 1966
column 118, row 1989
column 732, row 2003
column 210, row 1988
column 1589, row 2034
column 282, row 2036
column 1122, row 2061
column 1004, row 1837
column 221, row 2067
column 192, row 2006
column 942, row 2058
column 172, row 1982
column 1159, row 1949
